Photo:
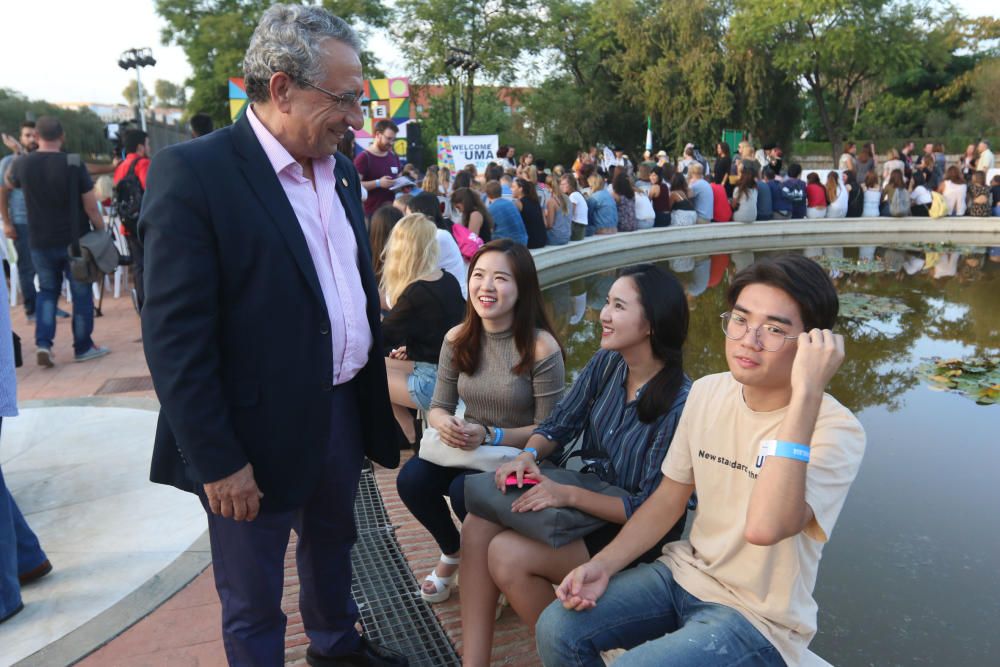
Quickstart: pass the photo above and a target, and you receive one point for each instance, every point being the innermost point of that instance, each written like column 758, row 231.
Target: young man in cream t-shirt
column 772, row 458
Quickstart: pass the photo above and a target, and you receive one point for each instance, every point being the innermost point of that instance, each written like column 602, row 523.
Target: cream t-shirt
column 715, row 448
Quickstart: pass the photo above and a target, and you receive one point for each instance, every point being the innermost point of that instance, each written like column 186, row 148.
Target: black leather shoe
column 368, row 654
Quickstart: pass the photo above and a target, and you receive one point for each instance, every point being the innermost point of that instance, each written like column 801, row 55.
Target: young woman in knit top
column 627, row 403
column 504, row 363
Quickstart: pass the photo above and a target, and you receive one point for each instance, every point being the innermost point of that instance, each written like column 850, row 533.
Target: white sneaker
column 92, row 353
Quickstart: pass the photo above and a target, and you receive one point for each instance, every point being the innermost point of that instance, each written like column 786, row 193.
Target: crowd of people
column 606, row 194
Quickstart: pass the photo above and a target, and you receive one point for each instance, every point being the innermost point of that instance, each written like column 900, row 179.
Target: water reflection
column 910, row 576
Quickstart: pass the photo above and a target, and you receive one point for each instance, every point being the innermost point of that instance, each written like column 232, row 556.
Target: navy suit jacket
column 235, row 328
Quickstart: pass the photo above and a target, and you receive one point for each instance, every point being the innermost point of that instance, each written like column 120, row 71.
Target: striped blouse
column 596, row 405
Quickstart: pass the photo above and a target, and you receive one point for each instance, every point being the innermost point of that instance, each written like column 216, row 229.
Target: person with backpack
column 793, row 192
column 130, row 185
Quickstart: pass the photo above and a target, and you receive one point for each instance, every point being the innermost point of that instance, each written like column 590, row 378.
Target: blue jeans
column 52, row 264
column 25, row 268
column 645, row 611
column 422, row 487
column 20, row 551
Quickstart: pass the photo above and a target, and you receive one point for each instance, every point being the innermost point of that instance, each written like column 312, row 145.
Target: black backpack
column 128, row 199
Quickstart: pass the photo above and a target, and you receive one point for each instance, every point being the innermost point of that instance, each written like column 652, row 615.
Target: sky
column 79, row 59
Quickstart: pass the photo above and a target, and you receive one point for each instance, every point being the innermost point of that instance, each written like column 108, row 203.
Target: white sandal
column 443, row 586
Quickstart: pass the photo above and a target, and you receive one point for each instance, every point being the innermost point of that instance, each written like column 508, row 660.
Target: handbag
column 468, row 241
column 486, row 458
column 554, row 526
column 94, row 254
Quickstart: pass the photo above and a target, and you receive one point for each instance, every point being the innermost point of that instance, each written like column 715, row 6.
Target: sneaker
column 61, row 313
column 92, row 353
column 44, row 357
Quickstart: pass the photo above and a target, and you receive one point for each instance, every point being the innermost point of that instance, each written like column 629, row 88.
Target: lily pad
column 976, row 377
column 859, row 306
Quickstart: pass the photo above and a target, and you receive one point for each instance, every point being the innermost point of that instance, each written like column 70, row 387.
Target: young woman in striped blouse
column 626, row 402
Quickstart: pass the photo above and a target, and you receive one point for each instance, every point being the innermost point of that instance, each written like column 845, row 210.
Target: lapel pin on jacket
column 344, row 181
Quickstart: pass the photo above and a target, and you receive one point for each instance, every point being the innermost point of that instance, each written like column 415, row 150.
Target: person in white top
column 577, row 205
column 449, row 256
column 772, row 457
column 954, row 190
column 892, row 162
column 836, row 192
column 986, row 159
column 847, row 160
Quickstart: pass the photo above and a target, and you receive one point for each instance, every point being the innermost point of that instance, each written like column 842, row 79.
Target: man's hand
column 819, row 355
column 386, row 182
column 543, row 495
column 9, row 231
column 583, row 586
column 235, row 497
column 12, row 143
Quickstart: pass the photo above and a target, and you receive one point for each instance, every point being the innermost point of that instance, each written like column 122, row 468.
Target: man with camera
column 130, row 185
column 44, row 176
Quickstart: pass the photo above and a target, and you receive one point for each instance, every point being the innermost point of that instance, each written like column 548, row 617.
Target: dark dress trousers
column 237, row 338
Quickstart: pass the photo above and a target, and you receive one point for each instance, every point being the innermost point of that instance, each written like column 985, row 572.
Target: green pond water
column 910, row 576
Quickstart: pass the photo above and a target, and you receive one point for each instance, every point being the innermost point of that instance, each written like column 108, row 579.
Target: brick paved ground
column 186, row 629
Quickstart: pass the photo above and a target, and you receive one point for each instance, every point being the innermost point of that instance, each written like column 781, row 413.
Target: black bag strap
column 131, row 172
column 74, row 164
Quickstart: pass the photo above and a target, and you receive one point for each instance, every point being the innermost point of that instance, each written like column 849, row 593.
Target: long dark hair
column 470, row 201
column 528, row 189
column 622, row 185
column 666, row 309
column 529, row 312
column 383, row 220
column 430, row 206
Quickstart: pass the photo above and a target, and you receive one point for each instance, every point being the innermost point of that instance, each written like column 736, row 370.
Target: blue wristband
column 497, row 435
column 533, row 452
column 785, row 449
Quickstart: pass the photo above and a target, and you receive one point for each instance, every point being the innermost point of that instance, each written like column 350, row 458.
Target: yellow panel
column 394, row 105
column 380, row 89
column 235, row 107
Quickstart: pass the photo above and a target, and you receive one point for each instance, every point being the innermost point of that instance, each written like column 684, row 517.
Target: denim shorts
column 420, row 383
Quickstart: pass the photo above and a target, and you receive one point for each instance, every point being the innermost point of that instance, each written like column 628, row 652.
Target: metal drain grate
column 385, row 589
column 125, row 385
column 369, row 512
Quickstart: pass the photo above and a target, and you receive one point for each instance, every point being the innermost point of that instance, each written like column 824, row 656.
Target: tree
column 84, row 129
column 215, row 33
column 670, row 64
column 494, row 33
column 833, row 48
column 170, row 94
column 131, row 95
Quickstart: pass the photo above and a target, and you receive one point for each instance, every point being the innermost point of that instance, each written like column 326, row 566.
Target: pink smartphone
column 527, row 481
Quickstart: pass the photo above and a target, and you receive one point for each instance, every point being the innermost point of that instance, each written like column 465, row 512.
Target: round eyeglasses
column 770, row 337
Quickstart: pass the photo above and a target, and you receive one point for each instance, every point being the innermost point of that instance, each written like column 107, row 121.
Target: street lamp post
column 461, row 60
column 138, row 58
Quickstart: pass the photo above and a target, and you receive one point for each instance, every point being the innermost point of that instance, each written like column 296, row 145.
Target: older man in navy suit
column 261, row 329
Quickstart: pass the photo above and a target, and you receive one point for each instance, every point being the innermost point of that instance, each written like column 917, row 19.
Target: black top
column 44, row 179
column 534, row 223
column 422, row 316
column 722, row 167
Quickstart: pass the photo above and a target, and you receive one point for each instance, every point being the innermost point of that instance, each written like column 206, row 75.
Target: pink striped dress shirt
column 333, row 248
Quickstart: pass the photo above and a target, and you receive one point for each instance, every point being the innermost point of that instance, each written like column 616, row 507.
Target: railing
column 557, row 264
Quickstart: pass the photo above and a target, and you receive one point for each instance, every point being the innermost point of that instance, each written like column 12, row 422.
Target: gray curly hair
column 288, row 39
